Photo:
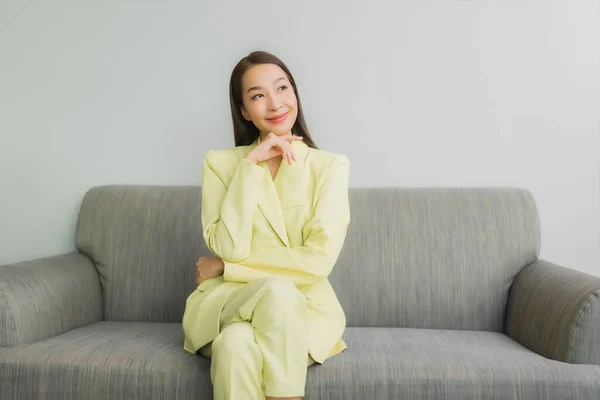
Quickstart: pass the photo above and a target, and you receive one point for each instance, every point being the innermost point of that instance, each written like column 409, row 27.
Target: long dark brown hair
column 245, row 132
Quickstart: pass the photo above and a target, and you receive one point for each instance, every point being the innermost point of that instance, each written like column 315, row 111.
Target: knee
column 281, row 292
column 235, row 340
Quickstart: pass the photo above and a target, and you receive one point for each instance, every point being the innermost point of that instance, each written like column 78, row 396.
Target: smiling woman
column 262, row 87
column 274, row 214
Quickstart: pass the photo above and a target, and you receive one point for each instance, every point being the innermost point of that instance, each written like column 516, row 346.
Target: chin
column 282, row 130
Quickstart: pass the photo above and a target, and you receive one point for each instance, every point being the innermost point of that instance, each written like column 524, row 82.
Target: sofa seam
column 10, row 314
column 527, row 193
column 510, row 300
column 595, row 294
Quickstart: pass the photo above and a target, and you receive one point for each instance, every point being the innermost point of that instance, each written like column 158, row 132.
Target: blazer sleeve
column 228, row 211
column 324, row 235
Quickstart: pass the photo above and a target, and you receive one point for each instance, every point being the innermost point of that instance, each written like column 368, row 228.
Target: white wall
column 416, row 93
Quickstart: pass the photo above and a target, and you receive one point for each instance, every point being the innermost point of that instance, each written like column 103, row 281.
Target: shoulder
column 327, row 161
column 225, row 156
column 224, row 160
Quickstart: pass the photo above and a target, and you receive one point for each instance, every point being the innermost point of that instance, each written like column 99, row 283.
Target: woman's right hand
column 208, row 267
column 273, row 146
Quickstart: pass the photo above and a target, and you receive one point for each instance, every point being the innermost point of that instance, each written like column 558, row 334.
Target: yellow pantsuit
column 260, row 347
column 279, row 239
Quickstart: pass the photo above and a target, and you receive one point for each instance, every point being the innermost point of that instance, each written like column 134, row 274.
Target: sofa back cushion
column 434, row 258
column 428, row 258
column 144, row 241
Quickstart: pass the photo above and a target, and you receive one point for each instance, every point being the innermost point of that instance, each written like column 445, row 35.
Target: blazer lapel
column 289, row 177
column 269, row 202
column 270, row 207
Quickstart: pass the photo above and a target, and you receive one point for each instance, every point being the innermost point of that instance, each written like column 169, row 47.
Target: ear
column 244, row 113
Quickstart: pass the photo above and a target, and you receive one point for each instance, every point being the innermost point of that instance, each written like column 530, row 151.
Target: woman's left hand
column 208, row 267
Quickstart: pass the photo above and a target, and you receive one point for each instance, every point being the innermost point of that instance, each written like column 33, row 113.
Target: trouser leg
column 276, row 312
column 236, row 366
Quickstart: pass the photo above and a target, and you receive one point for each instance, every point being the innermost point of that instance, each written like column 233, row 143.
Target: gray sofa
column 443, row 290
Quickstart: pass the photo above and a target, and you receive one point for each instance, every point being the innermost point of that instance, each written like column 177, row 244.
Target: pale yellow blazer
column 292, row 226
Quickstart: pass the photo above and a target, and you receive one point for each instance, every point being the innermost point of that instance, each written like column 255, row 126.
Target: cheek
column 292, row 101
column 295, row 112
column 293, row 105
column 254, row 111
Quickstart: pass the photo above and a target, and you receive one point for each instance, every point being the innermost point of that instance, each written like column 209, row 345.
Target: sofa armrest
column 555, row 311
column 43, row 298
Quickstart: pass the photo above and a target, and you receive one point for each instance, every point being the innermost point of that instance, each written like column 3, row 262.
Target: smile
column 279, row 118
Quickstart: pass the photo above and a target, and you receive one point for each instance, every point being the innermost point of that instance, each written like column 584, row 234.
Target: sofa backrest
column 428, row 258
column 144, row 241
column 434, row 258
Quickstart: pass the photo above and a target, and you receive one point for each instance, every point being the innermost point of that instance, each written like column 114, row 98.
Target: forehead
column 262, row 75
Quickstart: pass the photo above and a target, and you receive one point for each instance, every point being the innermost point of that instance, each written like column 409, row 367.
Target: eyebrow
column 259, row 87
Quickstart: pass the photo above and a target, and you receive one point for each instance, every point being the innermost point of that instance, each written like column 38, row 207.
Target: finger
column 284, row 147
column 290, row 152
column 271, row 152
column 286, row 138
column 290, row 157
column 292, row 137
column 285, row 154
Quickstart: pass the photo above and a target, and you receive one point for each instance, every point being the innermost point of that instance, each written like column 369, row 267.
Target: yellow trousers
column 262, row 347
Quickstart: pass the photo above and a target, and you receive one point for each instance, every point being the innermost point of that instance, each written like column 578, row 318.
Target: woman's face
column 269, row 100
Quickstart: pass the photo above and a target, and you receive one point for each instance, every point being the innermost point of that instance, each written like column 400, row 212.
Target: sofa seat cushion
column 122, row 360
column 106, row 360
column 397, row 363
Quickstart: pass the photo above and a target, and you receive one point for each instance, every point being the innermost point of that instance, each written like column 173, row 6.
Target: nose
column 274, row 103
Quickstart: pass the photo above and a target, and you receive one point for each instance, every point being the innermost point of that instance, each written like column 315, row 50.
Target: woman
column 274, row 213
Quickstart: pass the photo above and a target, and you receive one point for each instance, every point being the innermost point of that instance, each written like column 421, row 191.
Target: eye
column 283, row 87
column 256, row 96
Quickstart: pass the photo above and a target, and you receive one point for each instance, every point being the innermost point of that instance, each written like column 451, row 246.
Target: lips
column 278, row 118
